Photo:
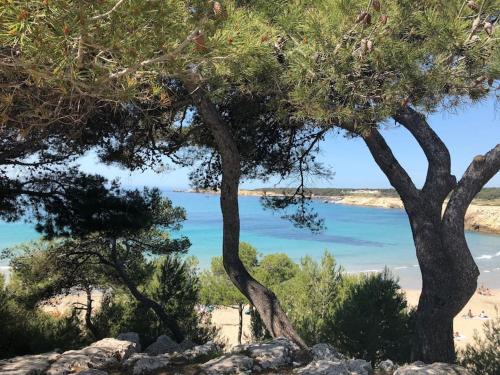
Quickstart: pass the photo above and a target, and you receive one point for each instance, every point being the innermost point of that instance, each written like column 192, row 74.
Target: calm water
column 361, row 238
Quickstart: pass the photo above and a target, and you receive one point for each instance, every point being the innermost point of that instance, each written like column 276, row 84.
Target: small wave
column 415, row 265
column 488, row 256
column 371, row 271
column 400, row 268
column 486, row 271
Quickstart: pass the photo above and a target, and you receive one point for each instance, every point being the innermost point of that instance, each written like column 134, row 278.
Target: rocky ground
column 123, row 355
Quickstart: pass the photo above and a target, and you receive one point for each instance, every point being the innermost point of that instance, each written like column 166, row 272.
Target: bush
column 174, row 285
column 31, row 331
column 483, row 357
column 373, row 321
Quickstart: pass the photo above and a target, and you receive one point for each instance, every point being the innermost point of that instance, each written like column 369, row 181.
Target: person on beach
column 469, row 314
column 483, row 315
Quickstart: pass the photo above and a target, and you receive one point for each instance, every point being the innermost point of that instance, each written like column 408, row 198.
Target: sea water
column 362, row 239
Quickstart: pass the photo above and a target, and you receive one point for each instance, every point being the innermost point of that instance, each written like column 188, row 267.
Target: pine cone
column 376, row 5
column 361, row 17
column 217, row 8
column 367, row 21
column 488, row 27
column 383, row 19
column 199, row 42
column 472, row 5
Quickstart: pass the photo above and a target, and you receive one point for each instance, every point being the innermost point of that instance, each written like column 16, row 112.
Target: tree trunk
column 88, row 315
column 449, row 273
column 263, row 299
column 449, row 279
column 240, row 322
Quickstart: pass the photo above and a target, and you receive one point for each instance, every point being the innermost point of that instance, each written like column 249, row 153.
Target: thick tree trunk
column 449, row 279
column 449, row 273
column 263, row 299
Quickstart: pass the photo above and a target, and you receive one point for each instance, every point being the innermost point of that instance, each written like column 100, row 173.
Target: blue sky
column 467, row 133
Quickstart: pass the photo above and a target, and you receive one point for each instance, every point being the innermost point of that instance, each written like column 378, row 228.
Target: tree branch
column 108, row 12
column 479, row 172
column 439, row 181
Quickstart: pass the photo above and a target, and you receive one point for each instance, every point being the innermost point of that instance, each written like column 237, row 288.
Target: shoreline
column 481, row 218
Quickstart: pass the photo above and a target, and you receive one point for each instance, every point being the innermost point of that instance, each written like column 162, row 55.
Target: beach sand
column 227, row 319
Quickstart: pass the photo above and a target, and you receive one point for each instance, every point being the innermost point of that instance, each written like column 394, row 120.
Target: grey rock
column 326, row 352
column 187, row 344
column 132, row 337
column 438, row 368
column 162, row 345
column 272, row 355
column 359, row 366
column 100, row 355
column 28, row 364
column 387, row 366
column 92, row 372
column 150, row 365
column 195, row 354
column 228, row 364
column 323, row 367
column 130, row 361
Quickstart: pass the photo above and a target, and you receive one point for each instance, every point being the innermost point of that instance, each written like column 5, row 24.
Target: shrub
column 30, row 331
column 174, row 285
column 483, row 357
column 373, row 321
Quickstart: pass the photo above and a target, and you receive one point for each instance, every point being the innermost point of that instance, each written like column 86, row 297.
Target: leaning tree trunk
column 169, row 322
column 265, row 301
column 449, row 273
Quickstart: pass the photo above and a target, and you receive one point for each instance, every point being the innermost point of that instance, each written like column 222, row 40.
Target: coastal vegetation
column 240, row 90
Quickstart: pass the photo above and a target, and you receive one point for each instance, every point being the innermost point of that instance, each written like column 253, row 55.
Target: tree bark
column 88, row 314
column 169, row 322
column 263, row 299
column 240, row 322
column 449, row 273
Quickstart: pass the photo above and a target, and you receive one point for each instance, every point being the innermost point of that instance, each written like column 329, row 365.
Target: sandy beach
column 227, row 318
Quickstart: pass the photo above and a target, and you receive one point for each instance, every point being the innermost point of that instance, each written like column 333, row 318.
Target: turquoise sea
column 361, row 238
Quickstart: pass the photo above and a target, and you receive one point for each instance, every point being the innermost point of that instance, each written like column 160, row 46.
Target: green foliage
column 217, row 288
column 311, row 297
column 373, row 321
column 30, row 330
column 483, row 357
column 174, row 285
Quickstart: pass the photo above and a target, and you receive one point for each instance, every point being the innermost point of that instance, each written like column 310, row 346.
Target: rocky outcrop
column 162, row 345
column 132, row 337
column 279, row 356
column 228, row 364
column 420, row 368
column 28, row 364
column 101, row 355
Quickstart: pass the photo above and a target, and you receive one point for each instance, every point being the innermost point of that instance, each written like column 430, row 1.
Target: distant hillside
column 485, row 194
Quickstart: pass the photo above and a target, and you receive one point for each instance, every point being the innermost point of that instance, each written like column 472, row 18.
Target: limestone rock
column 359, row 366
column 387, row 366
column 195, row 354
column 187, row 344
column 327, row 352
column 438, row 368
column 272, row 355
column 323, row 367
column 100, row 355
column 162, row 345
column 92, row 372
column 132, row 337
column 228, row 364
column 150, row 365
column 130, row 361
column 28, row 364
